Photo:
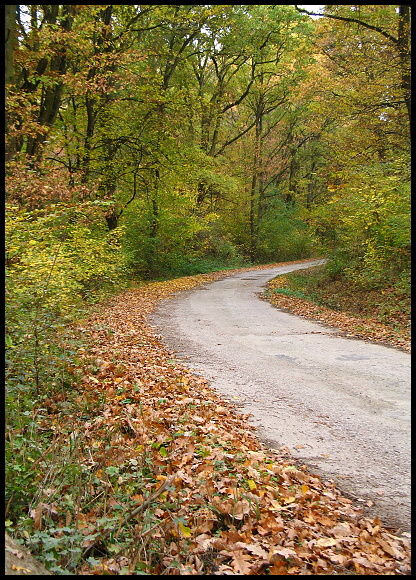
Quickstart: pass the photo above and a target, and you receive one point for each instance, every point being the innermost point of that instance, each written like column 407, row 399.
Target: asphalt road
column 341, row 405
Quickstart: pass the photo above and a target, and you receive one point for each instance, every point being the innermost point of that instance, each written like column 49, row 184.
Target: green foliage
column 58, row 260
column 185, row 243
column 389, row 305
column 371, row 225
column 59, row 254
column 284, row 235
column 289, row 292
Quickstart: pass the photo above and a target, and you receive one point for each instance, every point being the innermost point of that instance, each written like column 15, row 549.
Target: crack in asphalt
column 288, row 373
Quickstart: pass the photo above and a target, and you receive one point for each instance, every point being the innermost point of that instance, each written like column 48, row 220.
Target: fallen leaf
column 326, row 542
column 275, row 505
column 256, row 549
column 21, row 569
column 186, row 532
column 278, row 569
column 281, row 551
column 37, row 517
column 390, row 549
column 240, row 562
column 340, row 530
column 242, row 508
column 338, row 559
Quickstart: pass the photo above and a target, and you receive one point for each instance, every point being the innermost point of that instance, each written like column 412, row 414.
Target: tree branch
column 354, row 20
column 235, row 138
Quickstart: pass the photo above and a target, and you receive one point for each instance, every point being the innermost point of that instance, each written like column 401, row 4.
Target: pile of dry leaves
column 202, row 495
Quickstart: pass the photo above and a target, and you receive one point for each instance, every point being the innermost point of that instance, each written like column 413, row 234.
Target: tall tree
column 38, row 76
column 10, row 41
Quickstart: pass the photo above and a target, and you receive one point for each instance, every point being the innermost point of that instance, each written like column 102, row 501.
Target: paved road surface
column 341, row 405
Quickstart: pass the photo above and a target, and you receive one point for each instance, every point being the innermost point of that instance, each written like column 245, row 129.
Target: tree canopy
column 214, row 134
column 205, row 136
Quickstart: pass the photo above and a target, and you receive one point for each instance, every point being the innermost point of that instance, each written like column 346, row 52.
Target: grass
column 389, row 305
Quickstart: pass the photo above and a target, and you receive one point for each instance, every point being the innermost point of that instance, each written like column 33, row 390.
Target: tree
column 40, row 65
column 367, row 141
column 379, row 20
column 203, row 127
column 10, row 34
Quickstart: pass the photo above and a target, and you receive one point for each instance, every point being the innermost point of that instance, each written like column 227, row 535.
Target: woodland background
column 157, row 141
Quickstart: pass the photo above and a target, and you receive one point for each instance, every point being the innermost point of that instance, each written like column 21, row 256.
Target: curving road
column 341, row 405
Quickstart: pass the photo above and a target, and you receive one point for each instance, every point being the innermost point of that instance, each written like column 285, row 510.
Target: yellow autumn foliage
column 54, row 260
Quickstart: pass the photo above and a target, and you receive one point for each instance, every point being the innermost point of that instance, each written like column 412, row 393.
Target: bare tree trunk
column 51, row 97
column 154, row 224
column 253, row 191
column 10, row 33
column 256, row 191
column 404, row 54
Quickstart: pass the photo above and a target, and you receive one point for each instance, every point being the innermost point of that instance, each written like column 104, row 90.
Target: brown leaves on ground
column 354, row 326
column 233, row 507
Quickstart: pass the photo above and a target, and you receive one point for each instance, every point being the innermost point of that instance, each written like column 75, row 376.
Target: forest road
column 341, row 405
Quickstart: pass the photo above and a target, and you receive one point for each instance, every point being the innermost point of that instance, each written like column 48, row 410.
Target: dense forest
column 173, row 139
column 148, row 142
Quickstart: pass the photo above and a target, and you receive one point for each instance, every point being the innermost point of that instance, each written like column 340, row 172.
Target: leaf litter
column 180, row 484
column 365, row 328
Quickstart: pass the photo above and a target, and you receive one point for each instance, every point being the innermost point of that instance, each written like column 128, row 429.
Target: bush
column 370, row 222
column 284, row 236
column 58, row 260
column 183, row 246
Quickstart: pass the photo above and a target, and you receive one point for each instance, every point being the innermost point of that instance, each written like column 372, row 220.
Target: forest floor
column 173, row 480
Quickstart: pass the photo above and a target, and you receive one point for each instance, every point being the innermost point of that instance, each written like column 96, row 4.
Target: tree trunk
column 290, row 196
column 20, row 562
column 91, row 118
column 51, row 97
column 311, row 187
column 256, row 191
column 154, row 225
column 404, row 54
column 10, row 33
column 253, row 191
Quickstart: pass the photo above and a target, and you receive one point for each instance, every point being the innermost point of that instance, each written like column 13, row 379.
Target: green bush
column 58, row 260
column 284, row 236
column 370, row 223
column 183, row 246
